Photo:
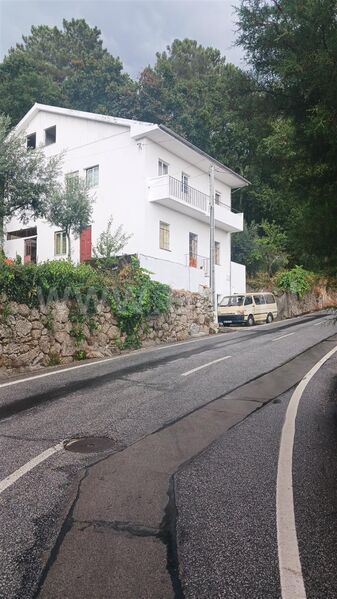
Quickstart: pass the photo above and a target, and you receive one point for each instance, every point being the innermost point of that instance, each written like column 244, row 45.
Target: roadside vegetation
column 128, row 289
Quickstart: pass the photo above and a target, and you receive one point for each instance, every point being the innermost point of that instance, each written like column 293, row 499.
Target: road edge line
column 291, row 577
column 11, row 479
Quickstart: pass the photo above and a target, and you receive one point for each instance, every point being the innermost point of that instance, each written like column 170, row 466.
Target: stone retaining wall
column 31, row 338
column 289, row 304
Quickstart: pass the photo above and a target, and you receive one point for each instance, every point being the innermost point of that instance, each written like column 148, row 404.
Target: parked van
column 247, row 308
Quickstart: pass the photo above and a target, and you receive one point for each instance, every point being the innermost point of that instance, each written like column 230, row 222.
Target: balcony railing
column 177, row 193
column 188, row 194
column 196, row 261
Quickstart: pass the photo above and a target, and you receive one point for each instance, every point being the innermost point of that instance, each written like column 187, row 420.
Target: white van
column 247, row 308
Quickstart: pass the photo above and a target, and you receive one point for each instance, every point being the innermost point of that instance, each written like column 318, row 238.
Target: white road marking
column 70, row 368
column 205, row 365
column 144, row 351
column 320, row 322
column 292, row 584
column 12, row 478
column 283, row 336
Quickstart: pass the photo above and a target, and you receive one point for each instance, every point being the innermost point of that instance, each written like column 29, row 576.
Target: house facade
column 152, row 181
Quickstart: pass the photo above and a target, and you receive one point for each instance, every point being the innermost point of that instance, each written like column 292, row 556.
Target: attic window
column 50, row 135
column 31, row 141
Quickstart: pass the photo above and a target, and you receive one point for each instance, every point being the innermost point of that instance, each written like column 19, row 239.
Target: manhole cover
column 90, row 444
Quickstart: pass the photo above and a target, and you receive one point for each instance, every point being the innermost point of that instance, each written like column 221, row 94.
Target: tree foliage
column 111, row 243
column 292, row 48
column 70, row 208
column 27, row 177
column 65, row 67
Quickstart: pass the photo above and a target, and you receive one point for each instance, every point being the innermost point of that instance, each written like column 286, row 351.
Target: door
column 85, row 244
column 30, row 252
column 193, row 250
column 260, row 308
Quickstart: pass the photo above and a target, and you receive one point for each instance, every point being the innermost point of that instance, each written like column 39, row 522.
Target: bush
column 32, row 284
column 297, row 280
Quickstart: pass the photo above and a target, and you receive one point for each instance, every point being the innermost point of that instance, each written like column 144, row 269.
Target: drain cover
column 90, row 444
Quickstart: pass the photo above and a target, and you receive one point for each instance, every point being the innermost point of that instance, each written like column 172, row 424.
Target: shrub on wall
column 297, row 280
column 136, row 296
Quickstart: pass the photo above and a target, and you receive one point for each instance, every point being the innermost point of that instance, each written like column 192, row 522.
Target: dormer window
column 50, row 135
column 31, row 141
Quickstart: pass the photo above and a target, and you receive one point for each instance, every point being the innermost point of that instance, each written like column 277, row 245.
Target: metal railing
column 196, row 261
column 188, row 194
column 193, row 197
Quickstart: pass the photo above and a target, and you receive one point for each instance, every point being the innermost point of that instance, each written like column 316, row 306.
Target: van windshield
column 232, row 300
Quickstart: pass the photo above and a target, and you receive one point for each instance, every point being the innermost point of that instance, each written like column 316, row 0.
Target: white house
column 152, row 181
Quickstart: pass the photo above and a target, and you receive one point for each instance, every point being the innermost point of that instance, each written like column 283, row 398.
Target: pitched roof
column 139, row 129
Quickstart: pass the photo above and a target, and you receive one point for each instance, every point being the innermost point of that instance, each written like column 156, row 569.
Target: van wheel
column 250, row 320
column 269, row 318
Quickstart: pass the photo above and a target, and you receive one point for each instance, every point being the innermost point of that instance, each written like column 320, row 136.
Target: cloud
column 133, row 30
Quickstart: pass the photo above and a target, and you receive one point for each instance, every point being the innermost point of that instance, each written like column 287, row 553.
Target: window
column 60, row 243
column 270, row 299
column 164, row 236
column 184, row 182
column 50, row 135
column 248, row 301
column 21, row 233
column 31, row 141
column 193, row 250
column 71, row 178
column 259, row 300
column 73, row 175
column 92, row 176
column 217, row 197
column 217, row 252
column 162, row 168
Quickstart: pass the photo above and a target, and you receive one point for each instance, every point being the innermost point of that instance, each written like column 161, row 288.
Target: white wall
column 238, row 278
column 121, row 191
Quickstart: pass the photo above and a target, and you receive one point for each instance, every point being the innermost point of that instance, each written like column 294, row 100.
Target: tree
column 111, row 243
column 244, row 247
column 70, row 208
column 27, row 177
column 292, row 48
column 270, row 248
column 65, row 67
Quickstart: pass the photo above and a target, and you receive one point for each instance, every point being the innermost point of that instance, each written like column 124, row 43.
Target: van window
column 248, row 301
column 259, row 300
column 270, row 299
column 232, row 300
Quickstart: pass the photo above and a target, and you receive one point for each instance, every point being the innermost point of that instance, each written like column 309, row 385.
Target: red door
column 85, row 244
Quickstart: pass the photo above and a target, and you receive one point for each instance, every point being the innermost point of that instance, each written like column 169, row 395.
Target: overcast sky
column 134, row 30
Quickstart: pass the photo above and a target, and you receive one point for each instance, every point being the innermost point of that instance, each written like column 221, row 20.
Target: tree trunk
column 69, row 246
column 2, row 233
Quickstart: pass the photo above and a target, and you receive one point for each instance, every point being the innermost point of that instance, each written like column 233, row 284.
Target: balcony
column 172, row 193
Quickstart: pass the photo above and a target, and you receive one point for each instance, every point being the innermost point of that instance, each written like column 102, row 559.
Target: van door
column 260, row 308
column 248, row 307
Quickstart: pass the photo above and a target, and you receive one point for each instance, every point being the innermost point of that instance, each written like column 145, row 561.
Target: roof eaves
column 202, row 153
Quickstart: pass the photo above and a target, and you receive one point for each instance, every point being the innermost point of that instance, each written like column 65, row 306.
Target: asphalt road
column 103, row 524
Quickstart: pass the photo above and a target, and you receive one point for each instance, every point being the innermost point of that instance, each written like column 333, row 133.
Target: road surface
column 182, row 502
